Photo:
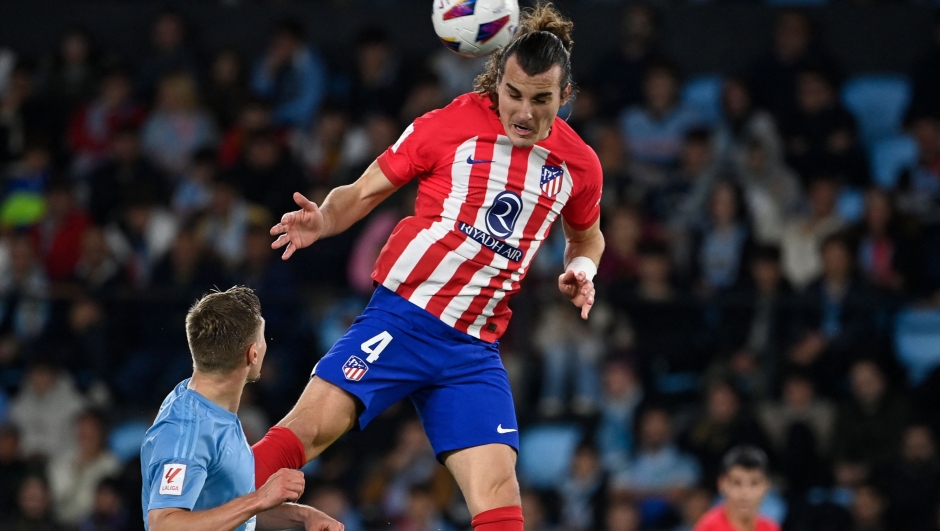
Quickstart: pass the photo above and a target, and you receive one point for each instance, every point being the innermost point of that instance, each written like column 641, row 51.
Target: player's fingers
column 288, row 251
column 278, row 229
column 303, row 202
column 281, row 241
column 586, row 308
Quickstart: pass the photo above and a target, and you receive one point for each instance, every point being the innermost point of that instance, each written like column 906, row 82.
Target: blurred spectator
column 682, row 202
column 332, row 145
column 925, row 75
column 773, row 77
column 224, row 224
column 170, row 52
column 886, row 256
column 771, row 189
column 582, row 494
column 625, row 181
column 912, row 484
column 93, row 126
column 227, row 90
column 754, row 321
column 34, row 512
column 13, row 470
column 267, row 176
column 868, row 510
column 291, row 76
column 533, row 512
column 623, row 393
column 141, row 236
column 868, row 427
column 75, row 474
column 724, row 242
column 373, row 237
column 193, row 192
column 97, row 272
column 23, row 202
column 23, row 117
column 426, row 95
column 621, row 257
column 7, row 62
column 800, row 428
column 820, row 135
column 455, row 72
column 666, row 322
column 45, row 411
column 108, row 513
column 177, row 127
column 619, row 75
column 253, row 117
column 421, row 513
column 920, row 185
column 694, row 507
column 569, row 352
column 743, row 124
column 622, row 516
column 411, row 463
column 71, row 76
column 126, row 174
column 380, row 81
column 336, row 504
column 24, row 294
column 837, row 320
column 803, row 236
column 655, row 129
column 726, row 424
column 659, row 474
column 59, row 235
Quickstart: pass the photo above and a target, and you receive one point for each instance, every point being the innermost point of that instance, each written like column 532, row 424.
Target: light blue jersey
column 195, row 456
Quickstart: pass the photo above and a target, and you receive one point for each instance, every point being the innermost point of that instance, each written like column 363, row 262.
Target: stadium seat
column 851, row 204
column 703, row 94
column 889, row 157
column 878, row 102
column 917, row 342
column 125, row 439
column 545, row 453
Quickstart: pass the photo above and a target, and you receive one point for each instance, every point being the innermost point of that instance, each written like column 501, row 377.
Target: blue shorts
column 456, row 382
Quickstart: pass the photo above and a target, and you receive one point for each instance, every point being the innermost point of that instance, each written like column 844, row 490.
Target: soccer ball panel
column 475, row 28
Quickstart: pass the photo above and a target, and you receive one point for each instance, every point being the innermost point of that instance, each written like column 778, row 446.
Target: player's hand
column 286, row 485
column 579, row 289
column 319, row 521
column 299, row 228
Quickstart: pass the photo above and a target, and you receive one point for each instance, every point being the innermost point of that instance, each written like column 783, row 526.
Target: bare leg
column 323, row 414
column 486, row 475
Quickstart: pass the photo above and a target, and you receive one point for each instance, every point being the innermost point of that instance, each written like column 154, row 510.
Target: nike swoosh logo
column 500, row 429
column 470, row 160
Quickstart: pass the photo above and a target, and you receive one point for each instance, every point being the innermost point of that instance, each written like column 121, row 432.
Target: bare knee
column 486, row 476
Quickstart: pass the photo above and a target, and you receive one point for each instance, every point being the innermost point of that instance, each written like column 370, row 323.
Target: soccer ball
column 475, row 28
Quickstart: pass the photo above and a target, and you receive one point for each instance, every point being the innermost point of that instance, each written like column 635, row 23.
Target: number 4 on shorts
column 374, row 347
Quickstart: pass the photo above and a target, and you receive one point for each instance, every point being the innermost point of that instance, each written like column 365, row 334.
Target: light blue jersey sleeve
column 175, row 468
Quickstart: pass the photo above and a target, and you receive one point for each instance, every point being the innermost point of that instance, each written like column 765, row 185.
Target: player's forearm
column 284, row 516
column 346, row 205
column 591, row 246
column 223, row 518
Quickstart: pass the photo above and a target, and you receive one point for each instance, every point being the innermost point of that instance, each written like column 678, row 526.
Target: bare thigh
column 486, row 475
column 323, row 414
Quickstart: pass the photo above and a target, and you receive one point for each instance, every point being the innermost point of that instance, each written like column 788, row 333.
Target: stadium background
column 143, row 158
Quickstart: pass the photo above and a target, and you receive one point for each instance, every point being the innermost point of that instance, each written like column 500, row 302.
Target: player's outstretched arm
column 293, row 515
column 583, row 250
column 344, row 206
column 284, row 486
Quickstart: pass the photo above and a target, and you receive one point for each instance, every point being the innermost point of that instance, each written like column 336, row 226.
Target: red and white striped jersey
column 483, row 209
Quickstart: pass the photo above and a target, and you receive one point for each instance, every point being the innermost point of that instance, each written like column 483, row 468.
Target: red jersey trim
column 389, row 172
column 585, row 226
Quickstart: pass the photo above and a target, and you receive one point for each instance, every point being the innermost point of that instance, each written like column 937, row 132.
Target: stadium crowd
column 755, row 280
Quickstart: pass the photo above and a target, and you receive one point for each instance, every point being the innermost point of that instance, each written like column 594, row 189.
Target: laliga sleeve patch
column 172, row 481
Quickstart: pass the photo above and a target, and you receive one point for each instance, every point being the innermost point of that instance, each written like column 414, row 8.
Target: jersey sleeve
column 583, row 209
column 416, row 152
column 177, row 470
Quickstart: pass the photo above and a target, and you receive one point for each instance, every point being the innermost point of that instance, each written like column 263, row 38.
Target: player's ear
column 565, row 94
column 251, row 355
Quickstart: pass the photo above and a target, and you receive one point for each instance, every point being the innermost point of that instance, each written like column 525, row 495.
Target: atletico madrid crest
column 355, row 368
column 552, row 179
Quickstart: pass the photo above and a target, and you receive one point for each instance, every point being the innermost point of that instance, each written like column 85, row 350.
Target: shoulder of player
column 766, row 524
column 570, row 144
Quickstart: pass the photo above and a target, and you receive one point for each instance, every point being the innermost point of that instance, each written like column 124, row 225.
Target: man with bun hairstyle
column 495, row 168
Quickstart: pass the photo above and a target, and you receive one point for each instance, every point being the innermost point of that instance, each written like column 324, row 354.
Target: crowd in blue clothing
column 772, row 276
